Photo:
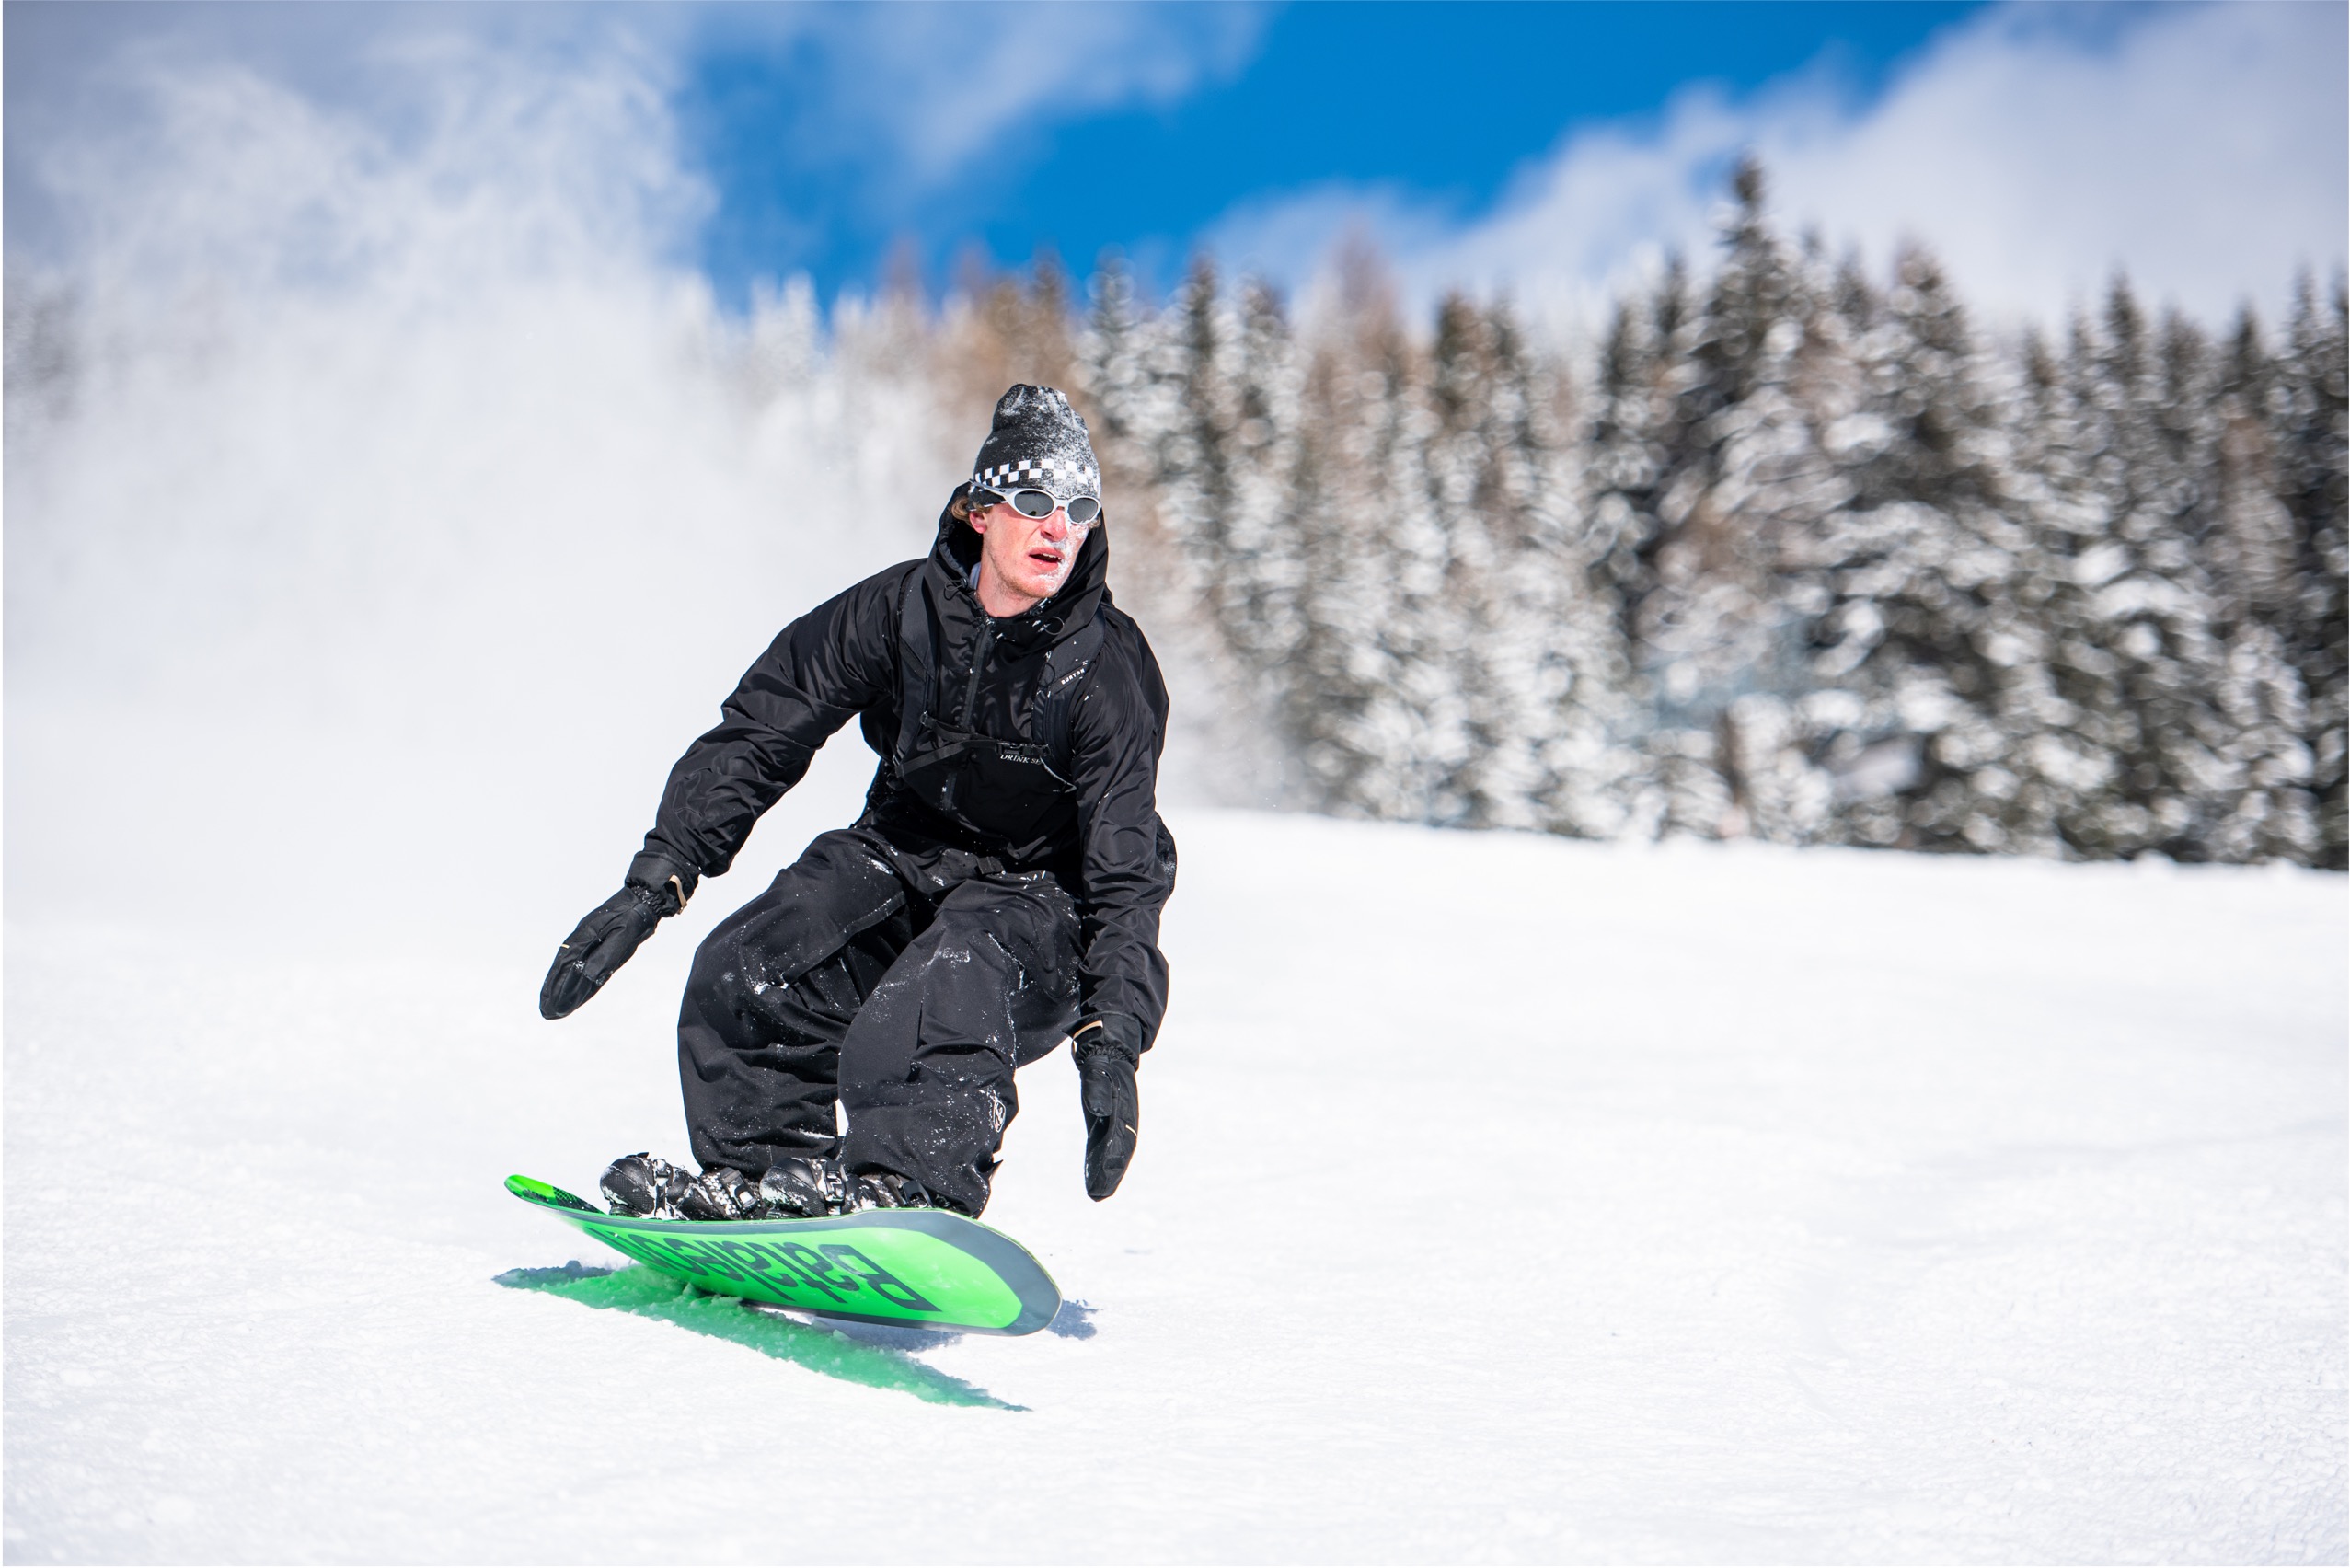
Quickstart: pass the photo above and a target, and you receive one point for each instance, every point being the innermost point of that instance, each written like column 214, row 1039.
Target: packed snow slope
column 1499, row 1199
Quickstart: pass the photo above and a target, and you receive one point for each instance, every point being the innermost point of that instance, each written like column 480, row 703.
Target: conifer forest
column 1804, row 556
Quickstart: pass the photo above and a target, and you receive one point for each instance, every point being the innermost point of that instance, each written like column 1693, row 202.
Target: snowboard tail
column 903, row 1266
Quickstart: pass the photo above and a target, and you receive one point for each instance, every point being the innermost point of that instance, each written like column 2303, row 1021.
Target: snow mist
column 385, row 511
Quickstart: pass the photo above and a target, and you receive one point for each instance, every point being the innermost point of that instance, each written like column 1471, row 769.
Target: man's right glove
column 613, row 930
column 1106, row 1055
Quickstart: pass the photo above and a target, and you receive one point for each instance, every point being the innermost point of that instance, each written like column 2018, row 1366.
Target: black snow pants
column 905, row 986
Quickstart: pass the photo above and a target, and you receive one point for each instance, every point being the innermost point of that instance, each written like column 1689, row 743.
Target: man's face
column 1031, row 557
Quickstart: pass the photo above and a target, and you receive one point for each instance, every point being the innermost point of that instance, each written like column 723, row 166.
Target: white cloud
column 957, row 80
column 2200, row 149
column 921, row 96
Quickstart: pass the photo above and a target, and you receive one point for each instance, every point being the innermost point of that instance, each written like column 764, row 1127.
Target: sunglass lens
column 1085, row 509
column 1034, row 504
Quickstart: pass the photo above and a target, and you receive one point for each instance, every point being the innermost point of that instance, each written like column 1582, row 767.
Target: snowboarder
column 1000, row 892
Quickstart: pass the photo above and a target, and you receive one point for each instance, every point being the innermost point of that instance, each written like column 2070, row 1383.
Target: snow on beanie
column 1040, row 441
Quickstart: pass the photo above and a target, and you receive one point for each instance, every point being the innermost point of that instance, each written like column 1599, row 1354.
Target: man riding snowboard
column 1000, row 892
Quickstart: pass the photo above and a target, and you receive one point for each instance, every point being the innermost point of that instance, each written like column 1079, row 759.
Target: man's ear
column 976, row 520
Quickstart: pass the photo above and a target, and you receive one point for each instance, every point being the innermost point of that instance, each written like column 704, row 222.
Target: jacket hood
column 1066, row 612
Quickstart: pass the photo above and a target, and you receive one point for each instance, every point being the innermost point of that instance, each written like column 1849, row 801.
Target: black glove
column 1106, row 1055
column 600, row 944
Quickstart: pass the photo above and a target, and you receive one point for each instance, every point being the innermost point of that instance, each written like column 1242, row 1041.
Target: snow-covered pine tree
column 1122, row 383
column 2133, row 644
column 1194, row 458
column 2246, row 552
column 1242, row 388
column 2248, row 540
column 1118, row 371
column 1227, row 469
column 1476, row 498
column 1377, row 711
column 1257, row 599
column 2311, row 436
column 2061, row 509
column 1640, row 450
column 1426, row 625
column 1570, row 666
column 1223, row 414
column 1931, row 669
column 1724, row 629
column 1594, row 776
column 1340, row 670
column 1539, row 663
column 1638, row 443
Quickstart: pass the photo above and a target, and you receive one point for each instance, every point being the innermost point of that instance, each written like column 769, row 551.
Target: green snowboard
column 903, row 1266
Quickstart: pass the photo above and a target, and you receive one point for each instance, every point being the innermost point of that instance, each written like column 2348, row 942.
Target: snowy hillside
column 1499, row 1198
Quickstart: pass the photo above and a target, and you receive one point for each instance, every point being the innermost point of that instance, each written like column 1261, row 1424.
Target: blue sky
column 1445, row 101
column 1551, row 151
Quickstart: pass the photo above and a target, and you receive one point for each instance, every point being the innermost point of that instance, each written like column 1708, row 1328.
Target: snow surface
column 1498, row 1198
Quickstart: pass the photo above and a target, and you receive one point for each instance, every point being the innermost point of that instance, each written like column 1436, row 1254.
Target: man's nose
column 1057, row 525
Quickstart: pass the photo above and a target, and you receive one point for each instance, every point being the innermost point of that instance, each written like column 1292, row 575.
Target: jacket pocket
column 1002, row 790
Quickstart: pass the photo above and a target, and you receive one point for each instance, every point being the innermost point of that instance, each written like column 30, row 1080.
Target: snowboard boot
column 644, row 1187
column 797, row 1187
column 720, row 1192
column 883, row 1190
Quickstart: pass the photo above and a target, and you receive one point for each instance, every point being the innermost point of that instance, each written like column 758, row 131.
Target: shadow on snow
column 1074, row 1321
column 873, row 1354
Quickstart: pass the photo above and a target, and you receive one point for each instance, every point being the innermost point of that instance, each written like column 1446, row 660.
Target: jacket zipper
column 970, row 695
column 978, row 659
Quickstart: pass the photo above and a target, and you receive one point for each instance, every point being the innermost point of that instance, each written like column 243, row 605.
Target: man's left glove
column 600, row 944
column 1107, row 1051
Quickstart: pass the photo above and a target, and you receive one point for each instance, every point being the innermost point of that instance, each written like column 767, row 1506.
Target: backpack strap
column 913, row 672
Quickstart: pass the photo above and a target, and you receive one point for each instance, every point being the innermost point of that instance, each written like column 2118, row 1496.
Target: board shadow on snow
column 862, row 1358
column 1074, row 1321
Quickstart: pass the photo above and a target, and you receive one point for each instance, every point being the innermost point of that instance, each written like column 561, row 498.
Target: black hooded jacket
column 1032, row 740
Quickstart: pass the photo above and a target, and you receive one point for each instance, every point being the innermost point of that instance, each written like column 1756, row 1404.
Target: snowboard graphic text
column 788, row 1271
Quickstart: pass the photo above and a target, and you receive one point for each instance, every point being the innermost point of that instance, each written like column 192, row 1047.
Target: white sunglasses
column 1082, row 509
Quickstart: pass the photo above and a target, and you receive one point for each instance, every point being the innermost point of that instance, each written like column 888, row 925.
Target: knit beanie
column 1038, row 441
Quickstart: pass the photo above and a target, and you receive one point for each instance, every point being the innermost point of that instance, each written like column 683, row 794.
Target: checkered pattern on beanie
column 1064, row 479
column 1037, row 440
